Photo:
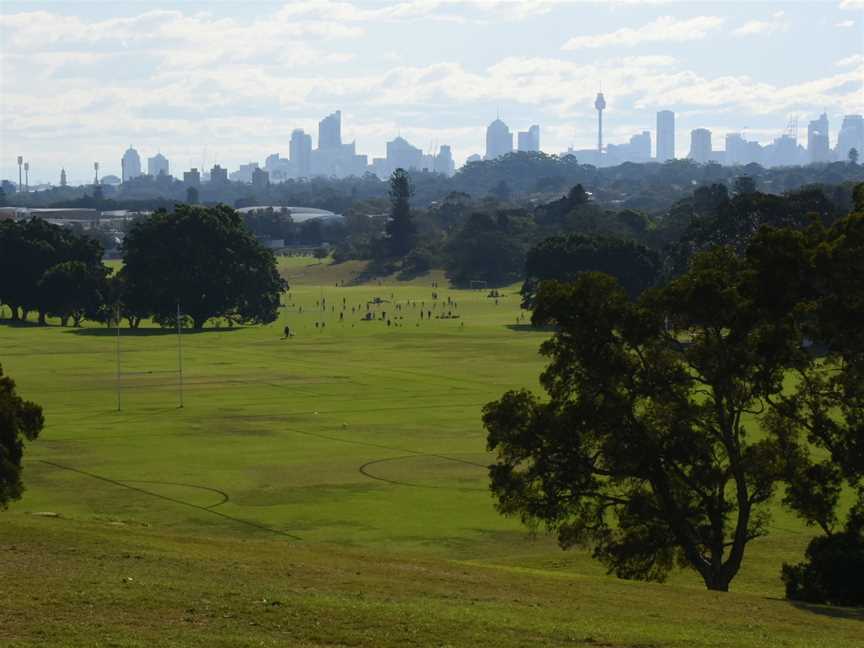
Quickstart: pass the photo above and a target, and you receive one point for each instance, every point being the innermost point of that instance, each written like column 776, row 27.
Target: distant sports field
column 350, row 435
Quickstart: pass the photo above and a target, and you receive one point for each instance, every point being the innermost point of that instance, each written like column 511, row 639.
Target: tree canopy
column 20, row 421
column 203, row 259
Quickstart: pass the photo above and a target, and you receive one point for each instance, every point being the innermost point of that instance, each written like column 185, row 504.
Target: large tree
column 75, row 290
column 566, row 257
column 204, row 260
column 20, row 421
column 401, row 232
column 646, row 448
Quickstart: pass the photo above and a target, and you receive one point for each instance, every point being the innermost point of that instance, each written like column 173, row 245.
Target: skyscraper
column 818, row 146
column 192, row 178
column 665, row 135
column 300, row 152
column 851, row 136
column 218, row 175
column 600, row 105
column 444, row 161
column 156, row 165
column 130, row 165
column 700, row 145
column 62, row 177
column 402, row 155
column 529, row 140
column 499, row 140
column 330, row 131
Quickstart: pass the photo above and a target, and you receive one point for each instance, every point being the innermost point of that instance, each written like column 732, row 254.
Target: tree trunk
column 14, row 310
column 42, row 321
column 64, row 319
column 198, row 322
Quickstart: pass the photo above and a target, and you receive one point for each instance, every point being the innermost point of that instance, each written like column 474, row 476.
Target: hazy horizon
column 227, row 82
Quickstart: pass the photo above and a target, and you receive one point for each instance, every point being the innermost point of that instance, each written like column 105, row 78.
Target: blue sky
column 227, row 81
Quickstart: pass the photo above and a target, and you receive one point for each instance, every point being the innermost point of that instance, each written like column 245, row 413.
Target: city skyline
column 395, row 73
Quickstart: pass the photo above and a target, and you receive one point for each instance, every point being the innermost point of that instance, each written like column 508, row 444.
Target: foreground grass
column 342, row 473
column 70, row 583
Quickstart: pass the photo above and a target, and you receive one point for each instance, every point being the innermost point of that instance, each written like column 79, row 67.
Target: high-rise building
column 529, row 140
column 402, row 155
column 192, row 178
column 130, row 165
column 260, row 178
column 243, row 172
column 700, row 145
column 444, row 161
column 62, row 177
column 157, row 165
column 851, row 136
column 330, row 131
column 300, row 152
column 600, row 106
column 218, row 175
column 818, row 145
column 499, row 140
column 665, row 135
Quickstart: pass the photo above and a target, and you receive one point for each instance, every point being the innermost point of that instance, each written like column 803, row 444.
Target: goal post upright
column 179, row 357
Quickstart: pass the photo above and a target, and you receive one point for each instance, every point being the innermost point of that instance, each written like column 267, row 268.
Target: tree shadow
column 836, row 612
column 528, row 328
column 149, row 332
column 22, row 324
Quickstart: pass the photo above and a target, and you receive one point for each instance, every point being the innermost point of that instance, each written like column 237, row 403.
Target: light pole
column 20, row 162
column 27, row 177
column 96, row 171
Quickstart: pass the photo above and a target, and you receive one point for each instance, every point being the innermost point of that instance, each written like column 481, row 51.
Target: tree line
column 202, row 260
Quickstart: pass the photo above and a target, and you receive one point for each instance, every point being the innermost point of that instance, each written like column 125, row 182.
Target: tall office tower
column 300, row 152
column 499, row 140
column 218, row 175
column 851, row 136
column 62, row 177
column 20, row 181
column 700, row 145
column 330, row 131
column 157, row 165
column 192, row 178
column 529, row 140
column 95, row 173
column 665, row 135
column 818, row 146
column 27, row 176
column 600, row 105
column 130, row 165
column 402, row 155
column 444, row 161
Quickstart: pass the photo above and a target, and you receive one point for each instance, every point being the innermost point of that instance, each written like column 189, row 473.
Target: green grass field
column 328, row 489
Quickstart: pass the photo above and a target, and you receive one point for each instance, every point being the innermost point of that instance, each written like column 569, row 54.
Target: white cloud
column 845, row 23
column 777, row 24
column 855, row 59
column 852, row 4
column 665, row 29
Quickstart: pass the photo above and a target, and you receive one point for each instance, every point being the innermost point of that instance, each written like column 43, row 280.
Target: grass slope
column 353, row 449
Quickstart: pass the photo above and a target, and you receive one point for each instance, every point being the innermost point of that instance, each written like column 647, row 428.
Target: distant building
column 818, row 145
column 330, row 131
column 62, row 177
column 444, row 161
column 784, row 151
column 529, row 141
column 130, row 165
column 192, row 178
column 665, row 135
column 218, row 175
column 740, row 151
column 300, row 152
column 260, row 178
column 499, row 140
column 402, row 155
column 600, row 106
column 244, row 173
column 638, row 149
column 851, row 136
column 474, row 157
column 157, row 165
column 700, row 145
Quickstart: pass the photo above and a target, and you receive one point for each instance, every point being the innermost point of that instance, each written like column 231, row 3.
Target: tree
column 20, row 421
column 644, row 449
column 490, row 247
column 400, row 230
column 74, row 289
column 853, row 156
column 320, row 253
column 565, row 257
column 203, row 259
column 745, row 185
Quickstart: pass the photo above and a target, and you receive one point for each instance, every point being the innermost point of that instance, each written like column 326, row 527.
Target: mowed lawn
column 352, row 443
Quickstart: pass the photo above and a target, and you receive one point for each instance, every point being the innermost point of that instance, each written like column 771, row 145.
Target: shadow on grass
column 854, row 614
column 528, row 328
column 22, row 324
column 148, row 332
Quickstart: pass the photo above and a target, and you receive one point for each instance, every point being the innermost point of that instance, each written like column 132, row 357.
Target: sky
column 227, row 81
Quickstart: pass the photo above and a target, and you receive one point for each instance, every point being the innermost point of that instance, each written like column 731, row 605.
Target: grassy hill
column 326, row 489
